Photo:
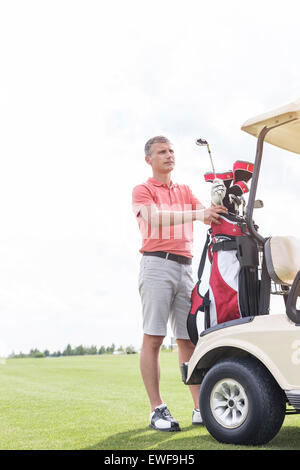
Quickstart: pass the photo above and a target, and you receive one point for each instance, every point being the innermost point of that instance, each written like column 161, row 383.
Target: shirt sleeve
column 141, row 196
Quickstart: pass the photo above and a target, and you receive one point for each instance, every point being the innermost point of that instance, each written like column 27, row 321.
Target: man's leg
column 150, row 368
column 156, row 290
column 185, row 350
column 181, row 307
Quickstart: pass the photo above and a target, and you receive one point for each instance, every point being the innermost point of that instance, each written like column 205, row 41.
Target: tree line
column 77, row 351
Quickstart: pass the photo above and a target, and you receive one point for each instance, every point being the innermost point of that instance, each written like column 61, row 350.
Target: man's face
column 161, row 158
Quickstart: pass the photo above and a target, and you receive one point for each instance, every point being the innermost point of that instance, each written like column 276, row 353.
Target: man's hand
column 212, row 214
column 158, row 218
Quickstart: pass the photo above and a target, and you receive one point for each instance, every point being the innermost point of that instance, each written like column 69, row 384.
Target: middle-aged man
column 165, row 213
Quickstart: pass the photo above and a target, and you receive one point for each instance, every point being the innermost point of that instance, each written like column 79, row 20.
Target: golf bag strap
column 203, row 256
column 225, row 245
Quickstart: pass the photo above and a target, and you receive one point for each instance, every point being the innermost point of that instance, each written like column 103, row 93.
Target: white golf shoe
column 197, row 418
column 162, row 420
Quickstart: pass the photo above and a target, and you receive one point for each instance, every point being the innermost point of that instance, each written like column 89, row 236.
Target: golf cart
column 249, row 368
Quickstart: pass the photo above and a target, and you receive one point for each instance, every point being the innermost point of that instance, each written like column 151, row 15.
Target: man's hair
column 159, row 139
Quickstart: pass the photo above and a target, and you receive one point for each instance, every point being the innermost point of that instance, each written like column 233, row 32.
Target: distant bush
column 77, row 351
column 36, row 353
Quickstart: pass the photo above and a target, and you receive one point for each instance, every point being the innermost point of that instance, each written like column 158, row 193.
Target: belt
column 163, row 254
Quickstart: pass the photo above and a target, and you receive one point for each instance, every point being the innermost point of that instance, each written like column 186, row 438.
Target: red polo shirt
column 177, row 239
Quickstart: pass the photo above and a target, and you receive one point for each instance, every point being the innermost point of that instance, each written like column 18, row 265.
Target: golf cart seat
column 282, row 256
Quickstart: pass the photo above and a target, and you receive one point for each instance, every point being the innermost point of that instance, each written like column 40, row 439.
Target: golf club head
column 218, row 191
column 242, row 171
column 239, row 188
column 235, row 199
column 258, row 204
column 226, row 177
column 232, row 203
column 201, row 142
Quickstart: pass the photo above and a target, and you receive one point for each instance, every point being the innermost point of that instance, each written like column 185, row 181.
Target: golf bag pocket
column 247, row 252
column 224, row 284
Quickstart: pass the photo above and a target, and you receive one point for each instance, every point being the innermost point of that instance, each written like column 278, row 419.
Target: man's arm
column 163, row 218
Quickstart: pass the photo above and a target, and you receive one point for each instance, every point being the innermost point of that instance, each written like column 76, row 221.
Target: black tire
column 254, row 416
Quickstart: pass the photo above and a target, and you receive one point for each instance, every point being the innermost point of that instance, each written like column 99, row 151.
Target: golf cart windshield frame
column 252, row 194
column 291, row 309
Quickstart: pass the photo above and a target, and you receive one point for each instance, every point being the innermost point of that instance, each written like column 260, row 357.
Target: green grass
column 99, row 402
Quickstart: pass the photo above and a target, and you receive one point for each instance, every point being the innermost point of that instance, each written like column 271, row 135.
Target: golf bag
column 233, row 290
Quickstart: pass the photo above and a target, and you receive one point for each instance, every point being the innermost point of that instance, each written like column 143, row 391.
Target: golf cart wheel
column 241, row 403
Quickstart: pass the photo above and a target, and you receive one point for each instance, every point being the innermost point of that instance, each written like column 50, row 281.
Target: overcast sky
column 83, row 85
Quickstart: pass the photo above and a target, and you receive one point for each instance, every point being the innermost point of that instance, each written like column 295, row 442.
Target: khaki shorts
column 165, row 288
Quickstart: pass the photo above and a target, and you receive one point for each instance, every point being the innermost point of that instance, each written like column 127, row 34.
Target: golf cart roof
column 286, row 123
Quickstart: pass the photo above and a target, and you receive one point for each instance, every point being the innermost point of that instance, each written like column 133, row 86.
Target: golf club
column 202, row 143
column 218, row 190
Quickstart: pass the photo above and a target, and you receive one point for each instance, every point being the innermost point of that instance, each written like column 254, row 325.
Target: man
column 165, row 213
